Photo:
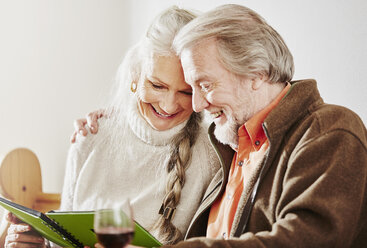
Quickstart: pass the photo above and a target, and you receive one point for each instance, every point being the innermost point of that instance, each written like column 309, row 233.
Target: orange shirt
column 252, row 145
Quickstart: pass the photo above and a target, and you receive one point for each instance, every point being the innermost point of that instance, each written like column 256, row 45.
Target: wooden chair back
column 21, row 182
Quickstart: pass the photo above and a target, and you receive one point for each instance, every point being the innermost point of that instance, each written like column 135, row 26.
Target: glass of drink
column 114, row 227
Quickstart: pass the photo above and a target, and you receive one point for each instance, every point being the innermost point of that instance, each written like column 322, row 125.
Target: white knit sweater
column 99, row 175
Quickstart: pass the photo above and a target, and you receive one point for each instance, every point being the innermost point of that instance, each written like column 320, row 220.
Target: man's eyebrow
column 197, row 78
column 203, row 78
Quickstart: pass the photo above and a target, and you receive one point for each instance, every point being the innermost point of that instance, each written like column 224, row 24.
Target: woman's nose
column 169, row 103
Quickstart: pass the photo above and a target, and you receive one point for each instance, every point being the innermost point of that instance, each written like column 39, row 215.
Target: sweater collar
column 145, row 132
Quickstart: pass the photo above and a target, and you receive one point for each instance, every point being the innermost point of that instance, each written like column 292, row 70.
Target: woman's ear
column 133, row 86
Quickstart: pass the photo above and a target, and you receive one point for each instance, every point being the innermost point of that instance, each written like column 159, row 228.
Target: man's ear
column 258, row 81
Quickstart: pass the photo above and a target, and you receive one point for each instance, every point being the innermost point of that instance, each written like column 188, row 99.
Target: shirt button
column 257, row 142
column 240, row 163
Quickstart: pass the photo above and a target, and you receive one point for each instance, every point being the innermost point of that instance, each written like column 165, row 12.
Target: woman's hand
column 22, row 235
column 101, row 246
column 91, row 121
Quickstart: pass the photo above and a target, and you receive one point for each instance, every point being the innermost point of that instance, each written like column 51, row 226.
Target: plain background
column 58, row 60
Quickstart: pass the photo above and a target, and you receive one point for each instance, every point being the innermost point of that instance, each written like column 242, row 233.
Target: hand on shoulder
column 82, row 125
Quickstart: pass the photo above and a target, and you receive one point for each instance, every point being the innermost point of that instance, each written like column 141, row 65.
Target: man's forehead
column 189, row 65
column 201, row 50
column 197, row 60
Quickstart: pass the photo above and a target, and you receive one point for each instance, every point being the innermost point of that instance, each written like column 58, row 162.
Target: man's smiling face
column 228, row 98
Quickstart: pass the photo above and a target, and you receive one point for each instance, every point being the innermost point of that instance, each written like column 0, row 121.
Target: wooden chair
column 21, row 182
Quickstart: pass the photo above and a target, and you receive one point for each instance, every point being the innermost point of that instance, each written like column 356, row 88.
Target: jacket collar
column 302, row 96
column 225, row 154
column 300, row 99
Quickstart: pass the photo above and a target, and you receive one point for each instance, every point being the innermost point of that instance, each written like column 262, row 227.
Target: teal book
column 70, row 229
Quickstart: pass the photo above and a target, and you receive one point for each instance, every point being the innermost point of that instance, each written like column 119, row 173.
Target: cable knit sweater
column 99, row 174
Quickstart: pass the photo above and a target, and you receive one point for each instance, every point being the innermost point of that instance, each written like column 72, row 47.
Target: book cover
column 83, row 220
column 70, row 229
column 42, row 224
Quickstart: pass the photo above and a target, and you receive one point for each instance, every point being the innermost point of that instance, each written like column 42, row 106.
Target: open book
column 70, row 229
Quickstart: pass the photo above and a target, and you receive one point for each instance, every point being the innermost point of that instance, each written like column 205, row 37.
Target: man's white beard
column 227, row 133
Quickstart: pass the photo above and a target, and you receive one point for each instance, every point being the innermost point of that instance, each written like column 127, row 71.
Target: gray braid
column 180, row 156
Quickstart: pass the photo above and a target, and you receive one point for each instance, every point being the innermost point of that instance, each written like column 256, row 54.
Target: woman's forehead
column 168, row 70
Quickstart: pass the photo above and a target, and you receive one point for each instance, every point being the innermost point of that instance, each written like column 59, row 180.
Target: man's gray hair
column 247, row 45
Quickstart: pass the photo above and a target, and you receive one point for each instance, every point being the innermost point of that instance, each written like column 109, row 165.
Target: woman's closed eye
column 156, row 86
column 187, row 93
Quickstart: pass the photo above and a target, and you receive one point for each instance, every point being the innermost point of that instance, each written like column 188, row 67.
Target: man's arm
column 323, row 199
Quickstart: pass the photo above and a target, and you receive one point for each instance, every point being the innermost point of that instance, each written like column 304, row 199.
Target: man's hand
column 91, row 121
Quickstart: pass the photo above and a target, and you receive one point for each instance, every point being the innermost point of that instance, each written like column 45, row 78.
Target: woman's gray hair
column 247, row 45
column 158, row 42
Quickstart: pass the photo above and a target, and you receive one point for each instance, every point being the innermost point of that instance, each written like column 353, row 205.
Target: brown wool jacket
column 310, row 189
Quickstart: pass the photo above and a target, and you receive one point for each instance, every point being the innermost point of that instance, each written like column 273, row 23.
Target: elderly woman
column 153, row 149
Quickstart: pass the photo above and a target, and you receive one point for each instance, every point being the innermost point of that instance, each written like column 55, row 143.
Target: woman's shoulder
column 203, row 137
column 90, row 141
column 99, row 145
column 204, row 150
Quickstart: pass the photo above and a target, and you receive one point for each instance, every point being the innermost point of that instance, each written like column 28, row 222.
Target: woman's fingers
column 16, row 238
column 24, row 238
column 23, row 245
column 98, row 245
column 19, row 228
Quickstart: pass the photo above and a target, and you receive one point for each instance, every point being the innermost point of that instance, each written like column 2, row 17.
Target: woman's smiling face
column 164, row 99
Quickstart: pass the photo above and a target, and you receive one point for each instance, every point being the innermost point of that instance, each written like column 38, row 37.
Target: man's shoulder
column 330, row 118
column 338, row 117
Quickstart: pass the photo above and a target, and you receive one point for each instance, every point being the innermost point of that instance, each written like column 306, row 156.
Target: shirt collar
column 253, row 127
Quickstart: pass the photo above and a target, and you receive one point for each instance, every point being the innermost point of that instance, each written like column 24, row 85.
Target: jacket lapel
column 216, row 186
column 276, row 125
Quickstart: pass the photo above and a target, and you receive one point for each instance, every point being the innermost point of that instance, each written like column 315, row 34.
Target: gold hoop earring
column 133, row 87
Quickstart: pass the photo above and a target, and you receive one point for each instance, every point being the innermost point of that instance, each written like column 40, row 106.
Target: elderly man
column 294, row 169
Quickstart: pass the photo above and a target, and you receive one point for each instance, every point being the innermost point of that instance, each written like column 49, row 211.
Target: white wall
column 327, row 39
column 57, row 62
column 58, row 59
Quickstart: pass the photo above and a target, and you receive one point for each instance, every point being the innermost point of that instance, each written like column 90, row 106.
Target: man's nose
column 199, row 102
